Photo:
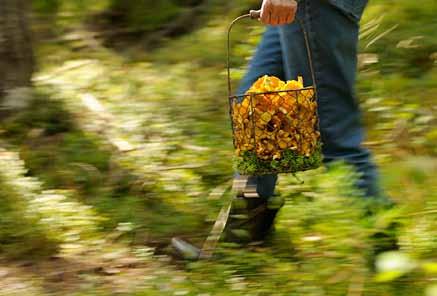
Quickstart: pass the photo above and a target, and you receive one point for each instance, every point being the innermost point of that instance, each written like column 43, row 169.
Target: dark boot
column 251, row 219
column 274, row 204
column 245, row 219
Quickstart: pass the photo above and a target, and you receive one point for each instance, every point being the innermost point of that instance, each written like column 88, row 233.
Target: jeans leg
column 265, row 184
column 268, row 60
column 333, row 39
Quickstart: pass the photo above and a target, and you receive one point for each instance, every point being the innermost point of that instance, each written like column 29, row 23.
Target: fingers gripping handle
column 255, row 14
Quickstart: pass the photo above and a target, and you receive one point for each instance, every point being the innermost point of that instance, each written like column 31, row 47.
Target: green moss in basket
column 249, row 164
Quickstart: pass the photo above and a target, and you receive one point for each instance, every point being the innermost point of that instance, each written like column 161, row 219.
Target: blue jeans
column 332, row 28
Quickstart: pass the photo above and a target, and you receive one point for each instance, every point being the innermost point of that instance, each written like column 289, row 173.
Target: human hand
column 278, row 12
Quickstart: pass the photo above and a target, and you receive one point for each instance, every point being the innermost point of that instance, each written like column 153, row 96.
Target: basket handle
column 256, row 14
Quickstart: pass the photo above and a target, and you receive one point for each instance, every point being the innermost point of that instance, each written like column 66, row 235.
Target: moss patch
column 250, row 164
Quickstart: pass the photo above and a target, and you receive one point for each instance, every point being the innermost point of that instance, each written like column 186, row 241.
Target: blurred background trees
column 16, row 54
column 134, row 14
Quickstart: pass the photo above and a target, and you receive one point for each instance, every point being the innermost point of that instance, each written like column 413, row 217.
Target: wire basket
column 275, row 131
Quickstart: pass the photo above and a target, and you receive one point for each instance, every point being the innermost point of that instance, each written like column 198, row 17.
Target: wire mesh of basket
column 275, row 124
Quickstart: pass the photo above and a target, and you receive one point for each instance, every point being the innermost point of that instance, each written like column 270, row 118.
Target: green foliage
column 46, row 6
column 398, row 71
column 42, row 116
column 410, row 43
column 53, row 7
column 20, row 235
column 146, row 14
column 392, row 265
column 35, row 222
column 45, row 126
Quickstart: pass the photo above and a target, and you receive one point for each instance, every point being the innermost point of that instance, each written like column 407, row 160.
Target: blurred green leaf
column 392, row 265
column 431, row 290
column 430, row 267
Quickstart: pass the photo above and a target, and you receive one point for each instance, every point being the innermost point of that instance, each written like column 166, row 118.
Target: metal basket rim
column 271, row 92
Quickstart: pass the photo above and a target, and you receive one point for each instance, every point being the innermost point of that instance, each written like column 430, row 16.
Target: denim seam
column 313, row 47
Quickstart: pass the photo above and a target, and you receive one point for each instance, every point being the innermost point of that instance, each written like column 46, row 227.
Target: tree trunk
column 16, row 55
